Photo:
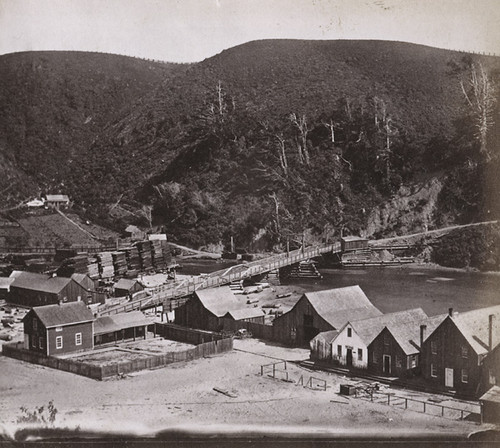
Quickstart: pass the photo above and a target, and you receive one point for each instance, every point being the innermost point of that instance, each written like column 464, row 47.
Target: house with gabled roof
column 455, row 354
column 208, row 308
column 57, row 200
column 30, row 289
column 350, row 346
column 395, row 351
column 59, row 329
column 320, row 311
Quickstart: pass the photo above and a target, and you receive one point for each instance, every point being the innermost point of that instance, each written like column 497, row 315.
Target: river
column 394, row 289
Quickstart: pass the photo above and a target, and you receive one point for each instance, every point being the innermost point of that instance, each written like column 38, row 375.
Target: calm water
column 396, row 289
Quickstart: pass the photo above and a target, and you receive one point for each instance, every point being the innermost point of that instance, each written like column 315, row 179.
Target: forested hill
column 267, row 139
column 54, row 104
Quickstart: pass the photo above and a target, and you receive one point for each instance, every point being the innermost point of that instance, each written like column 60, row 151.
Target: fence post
column 388, row 398
column 424, row 406
column 406, row 403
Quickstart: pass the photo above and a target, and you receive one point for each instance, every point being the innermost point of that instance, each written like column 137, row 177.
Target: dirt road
column 183, row 396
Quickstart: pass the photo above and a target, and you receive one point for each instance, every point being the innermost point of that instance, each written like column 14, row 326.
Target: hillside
column 263, row 141
column 53, row 105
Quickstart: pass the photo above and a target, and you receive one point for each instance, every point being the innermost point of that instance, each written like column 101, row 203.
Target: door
column 387, row 364
column 349, row 357
column 448, row 377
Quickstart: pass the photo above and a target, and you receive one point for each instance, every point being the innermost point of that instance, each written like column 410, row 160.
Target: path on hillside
column 435, row 232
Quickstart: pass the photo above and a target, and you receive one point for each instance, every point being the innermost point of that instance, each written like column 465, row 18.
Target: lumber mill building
column 320, row 311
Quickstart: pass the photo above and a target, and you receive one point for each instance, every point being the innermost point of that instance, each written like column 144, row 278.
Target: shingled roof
column 64, row 314
column 474, row 325
column 368, row 329
column 39, row 282
column 407, row 334
column 338, row 306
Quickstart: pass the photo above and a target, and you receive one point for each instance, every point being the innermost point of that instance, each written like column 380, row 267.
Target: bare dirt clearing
column 183, row 395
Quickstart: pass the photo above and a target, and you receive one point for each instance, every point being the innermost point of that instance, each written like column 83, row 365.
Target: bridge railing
column 176, row 290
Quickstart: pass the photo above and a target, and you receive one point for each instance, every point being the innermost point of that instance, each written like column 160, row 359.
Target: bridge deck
column 173, row 293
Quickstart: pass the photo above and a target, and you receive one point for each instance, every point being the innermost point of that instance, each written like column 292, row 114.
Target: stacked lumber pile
column 167, row 253
column 157, row 254
column 106, row 264
column 119, row 262
column 93, row 267
column 144, row 248
column 133, row 260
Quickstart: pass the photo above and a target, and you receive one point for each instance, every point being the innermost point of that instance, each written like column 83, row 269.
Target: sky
column 192, row 30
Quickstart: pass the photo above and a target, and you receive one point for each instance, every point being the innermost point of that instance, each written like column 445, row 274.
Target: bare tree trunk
column 282, row 153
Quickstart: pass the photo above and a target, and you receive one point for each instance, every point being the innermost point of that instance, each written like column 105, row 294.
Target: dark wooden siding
column 68, row 333
column 449, row 342
column 490, row 375
column 30, row 297
column 35, row 336
column 295, row 322
column 385, row 344
column 194, row 315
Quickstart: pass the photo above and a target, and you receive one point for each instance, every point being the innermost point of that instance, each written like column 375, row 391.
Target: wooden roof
column 39, row 282
column 61, row 315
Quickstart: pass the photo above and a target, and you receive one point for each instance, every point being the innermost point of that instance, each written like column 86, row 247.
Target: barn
column 59, row 329
column 453, row 355
column 490, row 406
column 29, row 289
column 396, row 349
column 320, row 311
column 208, row 308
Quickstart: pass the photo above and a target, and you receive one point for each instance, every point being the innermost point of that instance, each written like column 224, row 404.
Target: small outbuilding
column 121, row 327
column 125, row 287
column 490, row 406
column 348, row 243
column 59, row 329
column 57, row 201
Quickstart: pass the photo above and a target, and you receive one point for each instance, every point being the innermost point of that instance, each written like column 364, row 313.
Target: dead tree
column 301, row 124
column 282, row 153
column 480, row 97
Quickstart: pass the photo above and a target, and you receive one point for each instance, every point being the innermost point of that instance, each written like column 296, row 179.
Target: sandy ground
column 182, row 396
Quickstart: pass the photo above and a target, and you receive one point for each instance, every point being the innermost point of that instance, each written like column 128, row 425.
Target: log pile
column 106, row 265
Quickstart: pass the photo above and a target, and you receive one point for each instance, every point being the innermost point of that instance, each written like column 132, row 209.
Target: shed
column 125, row 287
column 5, row 283
column 348, row 243
column 30, row 289
column 119, row 327
column 321, row 345
column 320, row 311
column 490, row 406
column 59, row 329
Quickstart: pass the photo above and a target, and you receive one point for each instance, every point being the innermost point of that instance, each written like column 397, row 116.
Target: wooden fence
column 98, row 372
column 259, row 331
column 187, row 335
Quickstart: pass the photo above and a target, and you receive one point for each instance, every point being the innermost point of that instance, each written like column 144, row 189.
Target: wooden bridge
column 173, row 294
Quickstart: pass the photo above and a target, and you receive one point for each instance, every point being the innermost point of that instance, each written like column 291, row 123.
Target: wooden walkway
column 172, row 295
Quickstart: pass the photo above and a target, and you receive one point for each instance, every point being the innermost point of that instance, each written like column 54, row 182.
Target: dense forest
column 263, row 142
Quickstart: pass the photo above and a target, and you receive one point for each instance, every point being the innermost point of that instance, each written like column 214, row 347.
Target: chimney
column 490, row 332
column 423, row 328
column 450, row 312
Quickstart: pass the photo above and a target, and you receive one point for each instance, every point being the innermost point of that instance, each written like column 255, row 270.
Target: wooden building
column 396, row 349
column 348, row 243
column 30, row 289
column 320, row 311
column 452, row 356
column 121, row 327
column 350, row 346
column 491, row 369
column 127, row 287
column 208, row 308
column 490, row 406
column 59, row 329
column 321, row 345
column 57, row 201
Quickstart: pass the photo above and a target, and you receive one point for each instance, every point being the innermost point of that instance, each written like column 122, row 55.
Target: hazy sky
column 191, row 30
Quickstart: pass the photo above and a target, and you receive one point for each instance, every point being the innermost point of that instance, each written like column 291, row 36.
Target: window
column 59, row 342
column 492, row 378
column 465, row 376
column 398, row 361
column 434, row 349
column 433, row 371
column 339, row 351
column 33, row 341
column 413, row 361
column 386, row 340
column 465, row 352
column 374, row 358
column 58, row 328
column 40, row 342
column 349, row 332
column 35, row 324
column 78, row 339
column 360, row 354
